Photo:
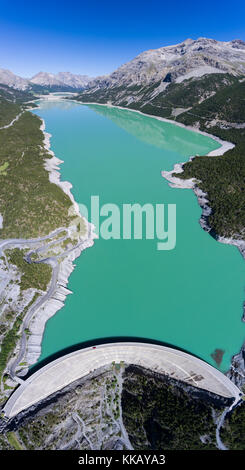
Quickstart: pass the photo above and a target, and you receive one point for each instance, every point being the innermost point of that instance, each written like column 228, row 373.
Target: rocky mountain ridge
column 156, row 69
column 61, row 80
column 173, row 63
column 13, row 81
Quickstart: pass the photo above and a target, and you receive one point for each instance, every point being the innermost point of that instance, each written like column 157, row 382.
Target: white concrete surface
column 161, row 359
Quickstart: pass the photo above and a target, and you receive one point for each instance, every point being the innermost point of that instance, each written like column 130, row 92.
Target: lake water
column 190, row 297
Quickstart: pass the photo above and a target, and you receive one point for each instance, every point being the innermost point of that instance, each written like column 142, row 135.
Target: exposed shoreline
column 190, row 183
column 224, row 145
column 178, row 168
column 66, row 266
column 177, row 364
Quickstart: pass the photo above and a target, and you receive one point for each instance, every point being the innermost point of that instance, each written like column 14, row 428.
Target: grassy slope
column 181, row 95
column 9, row 340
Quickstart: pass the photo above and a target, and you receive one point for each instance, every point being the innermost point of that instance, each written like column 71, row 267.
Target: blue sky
column 95, row 37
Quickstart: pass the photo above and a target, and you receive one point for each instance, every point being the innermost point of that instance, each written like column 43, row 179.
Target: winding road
column 12, row 122
column 53, row 262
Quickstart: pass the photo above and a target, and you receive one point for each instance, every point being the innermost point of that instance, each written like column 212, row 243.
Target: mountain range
column 150, row 73
column 151, row 76
column 62, row 81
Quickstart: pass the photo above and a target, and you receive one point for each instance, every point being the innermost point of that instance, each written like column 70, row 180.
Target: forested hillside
column 223, row 178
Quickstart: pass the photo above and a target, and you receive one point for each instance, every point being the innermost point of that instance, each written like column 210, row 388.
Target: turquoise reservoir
column 190, row 297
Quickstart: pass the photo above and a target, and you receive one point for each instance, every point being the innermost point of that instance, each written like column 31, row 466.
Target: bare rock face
column 236, row 372
column 64, row 80
column 170, row 64
column 61, row 79
column 118, row 407
column 14, row 81
column 191, row 58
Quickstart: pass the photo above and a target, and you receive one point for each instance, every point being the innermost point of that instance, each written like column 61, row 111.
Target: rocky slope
column 172, row 82
column 14, row 81
column 25, row 156
column 151, row 72
column 62, row 81
column 115, row 408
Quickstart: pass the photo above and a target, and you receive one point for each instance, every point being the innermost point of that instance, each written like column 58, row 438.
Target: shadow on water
column 96, row 342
